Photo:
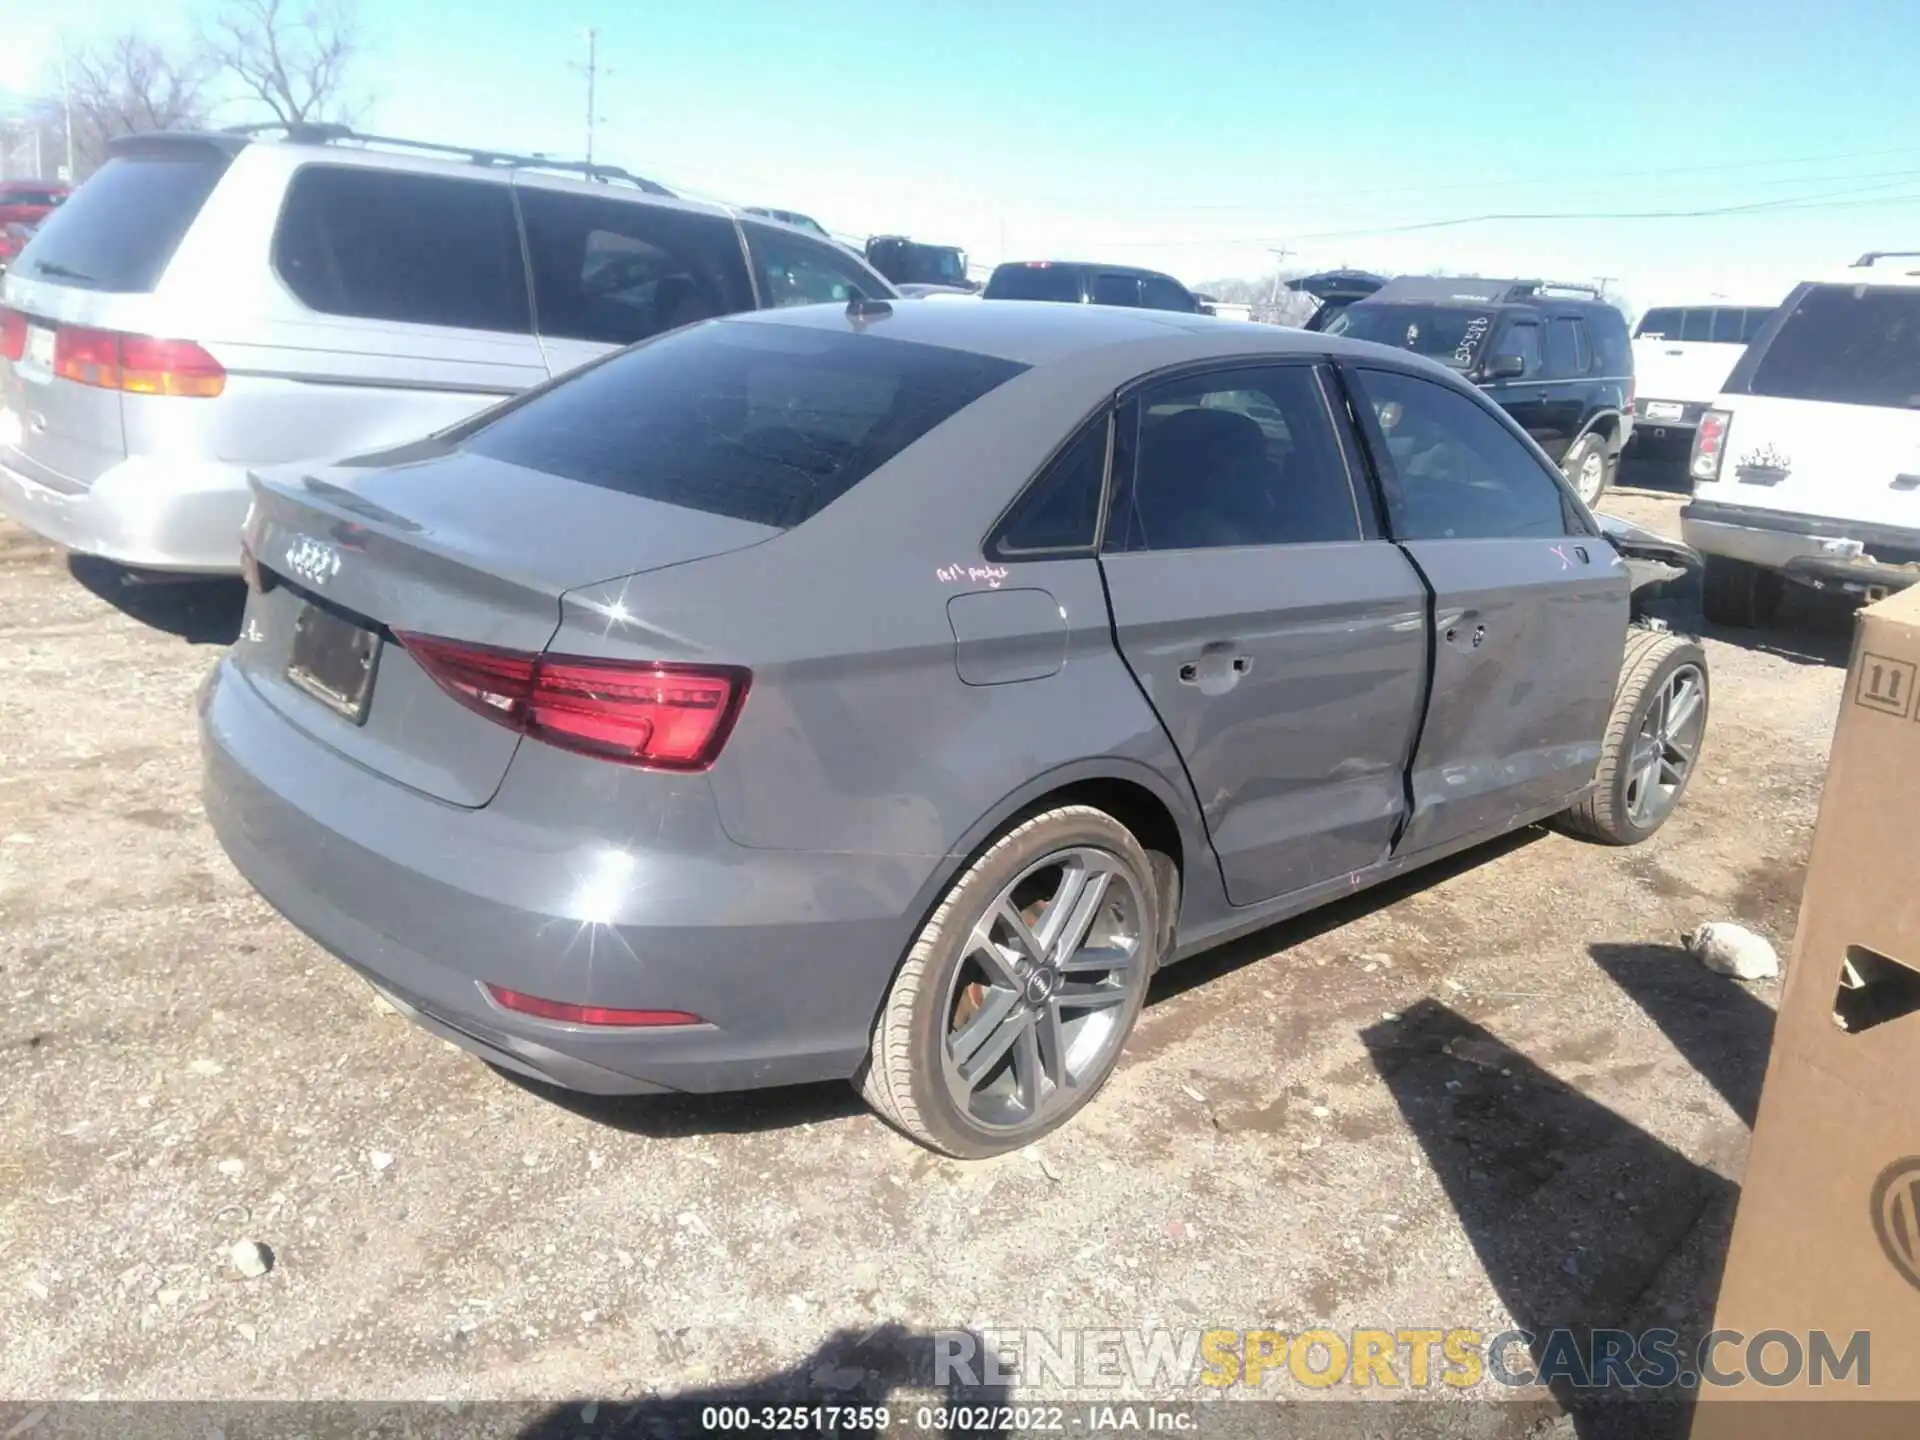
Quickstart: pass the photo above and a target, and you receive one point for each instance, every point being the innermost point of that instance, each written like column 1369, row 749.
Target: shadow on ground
column 1722, row 1029
column 674, row 1117
column 1572, row 1210
column 848, row 1371
column 200, row 610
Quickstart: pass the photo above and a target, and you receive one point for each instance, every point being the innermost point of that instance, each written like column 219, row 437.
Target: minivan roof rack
column 307, row 132
column 1866, row 261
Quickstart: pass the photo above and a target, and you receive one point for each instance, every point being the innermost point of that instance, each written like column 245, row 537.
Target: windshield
column 1035, row 282
column 1850, row 344
column 1447, row 333
column 934, row 265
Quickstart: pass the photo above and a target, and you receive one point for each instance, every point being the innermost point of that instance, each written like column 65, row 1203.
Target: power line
column 1567, row 177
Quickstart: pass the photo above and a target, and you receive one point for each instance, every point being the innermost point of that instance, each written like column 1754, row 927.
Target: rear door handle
column 1215, row 670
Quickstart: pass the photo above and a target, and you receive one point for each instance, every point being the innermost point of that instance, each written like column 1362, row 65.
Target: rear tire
column 1652, row 744
column 995, row 1033
column 1739, row 595
column 1586, row 469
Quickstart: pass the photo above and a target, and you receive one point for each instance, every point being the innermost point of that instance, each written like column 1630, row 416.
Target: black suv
column 1074, row 283
column 1555, row 357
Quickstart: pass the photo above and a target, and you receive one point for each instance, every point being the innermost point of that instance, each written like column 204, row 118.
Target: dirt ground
column 1494, row 1094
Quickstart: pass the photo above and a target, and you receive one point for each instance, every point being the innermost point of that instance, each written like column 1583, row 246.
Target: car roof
column 1100, row 265
column 1036, row 333
column 378, row 153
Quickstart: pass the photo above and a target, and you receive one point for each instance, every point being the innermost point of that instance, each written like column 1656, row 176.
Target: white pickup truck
column 1806, row 467
column 1682, row 355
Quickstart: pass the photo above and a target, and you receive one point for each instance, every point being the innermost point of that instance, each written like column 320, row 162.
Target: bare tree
column 127, row 85
column 292, row 55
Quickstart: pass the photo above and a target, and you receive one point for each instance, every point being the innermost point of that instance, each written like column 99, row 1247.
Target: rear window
column 30, row 197
column 1035, row 282
column 387, row 245
column 118, row 231
column 766, row 423
column 1851, row 344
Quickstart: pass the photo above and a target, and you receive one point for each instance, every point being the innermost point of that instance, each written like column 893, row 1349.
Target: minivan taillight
column 656, row 715
column 13, row 334
column 138, row 364
column 1709, row 445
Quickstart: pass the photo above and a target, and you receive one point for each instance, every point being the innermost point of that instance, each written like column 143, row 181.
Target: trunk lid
column 458, row 546
column 1821, row 458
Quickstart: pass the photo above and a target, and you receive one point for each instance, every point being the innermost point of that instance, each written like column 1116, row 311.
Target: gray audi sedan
column 887, row 692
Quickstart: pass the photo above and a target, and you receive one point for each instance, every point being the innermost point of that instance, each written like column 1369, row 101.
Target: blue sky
column 1197, row 136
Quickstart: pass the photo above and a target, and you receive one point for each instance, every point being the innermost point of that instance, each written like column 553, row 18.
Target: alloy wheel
column 1664, row 749
column 1044, row 990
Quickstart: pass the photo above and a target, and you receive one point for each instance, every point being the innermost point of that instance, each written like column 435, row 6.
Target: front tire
column 1585, row 467
column 1013, row 1003
column 1652, row 744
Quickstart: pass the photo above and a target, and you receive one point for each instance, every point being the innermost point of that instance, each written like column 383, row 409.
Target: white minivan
column 1807, row 467
column 1682, row 355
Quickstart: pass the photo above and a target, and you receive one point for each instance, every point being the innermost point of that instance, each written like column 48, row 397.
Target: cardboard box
column 1828, row 1231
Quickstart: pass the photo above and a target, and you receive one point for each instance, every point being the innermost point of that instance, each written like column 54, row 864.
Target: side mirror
column 1506, row 367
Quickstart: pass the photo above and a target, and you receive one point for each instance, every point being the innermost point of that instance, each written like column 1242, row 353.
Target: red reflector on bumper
column 586, row 1014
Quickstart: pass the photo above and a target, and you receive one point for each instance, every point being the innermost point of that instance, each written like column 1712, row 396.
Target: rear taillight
column 570, row 1014
column 138, row 364
column 1709, row 445
column 660, row 716
column 13, row 334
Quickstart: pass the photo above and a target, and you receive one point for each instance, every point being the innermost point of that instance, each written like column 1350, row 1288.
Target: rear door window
column 1159, row 293
column 761, row 422
column 389, row 245
column 1237, row 457
column 1116, row 290
column 1567, row 350
column 118, row 231
column 618, row 271
column 1849, row 344
column 794, row 270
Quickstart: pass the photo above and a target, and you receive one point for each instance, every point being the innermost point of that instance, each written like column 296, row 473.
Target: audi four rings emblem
column 311, row 561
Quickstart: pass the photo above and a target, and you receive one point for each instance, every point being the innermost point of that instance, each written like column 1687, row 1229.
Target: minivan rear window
column 1035, row 282
column 118, row 231
column 758, row 422
column 1850, row 344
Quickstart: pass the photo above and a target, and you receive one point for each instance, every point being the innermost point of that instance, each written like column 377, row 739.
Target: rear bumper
column 147, row 511
column 1668, row 428
column 1828, row 553
column 785, row 955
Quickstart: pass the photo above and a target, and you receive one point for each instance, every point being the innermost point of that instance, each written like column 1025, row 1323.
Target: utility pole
column 593, row 70
column 66, row 106
column 1273, row 293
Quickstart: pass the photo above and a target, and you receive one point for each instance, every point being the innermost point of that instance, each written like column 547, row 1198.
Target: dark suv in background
column 1074, row 283
column 1555, row 357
